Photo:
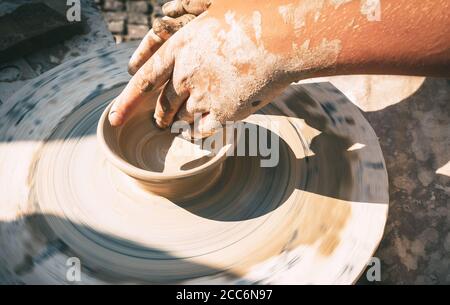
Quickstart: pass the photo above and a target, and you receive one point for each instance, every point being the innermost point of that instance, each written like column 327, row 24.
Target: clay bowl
column 161, row 161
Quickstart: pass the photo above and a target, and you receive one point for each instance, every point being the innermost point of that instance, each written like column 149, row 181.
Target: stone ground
column 415, row 138
column 15, row 73
column 129, row 19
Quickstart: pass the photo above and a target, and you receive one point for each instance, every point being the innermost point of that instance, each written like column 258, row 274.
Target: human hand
column 178, row 14
column 238, row 55
column 215, row 66
column 230, row 61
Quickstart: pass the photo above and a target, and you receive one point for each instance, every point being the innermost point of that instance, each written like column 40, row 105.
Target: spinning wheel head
column 315, row 217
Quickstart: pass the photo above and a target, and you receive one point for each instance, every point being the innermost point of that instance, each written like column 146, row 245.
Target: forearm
column 239, row 55
column 410, row 37
column 333, row 37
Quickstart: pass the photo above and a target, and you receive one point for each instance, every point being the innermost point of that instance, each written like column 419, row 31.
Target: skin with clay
column 236, row 56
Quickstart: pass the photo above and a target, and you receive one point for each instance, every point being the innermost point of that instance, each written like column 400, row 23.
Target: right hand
column 217, row 66
column 227, row 63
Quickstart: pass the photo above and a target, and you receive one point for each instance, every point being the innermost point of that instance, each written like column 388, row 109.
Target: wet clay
column 143, row 145
column 317, row 216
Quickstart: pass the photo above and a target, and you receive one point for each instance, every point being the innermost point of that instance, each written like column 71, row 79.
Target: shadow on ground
column 415, row 138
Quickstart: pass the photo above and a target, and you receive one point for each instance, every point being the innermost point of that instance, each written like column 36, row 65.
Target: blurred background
column 129, row 19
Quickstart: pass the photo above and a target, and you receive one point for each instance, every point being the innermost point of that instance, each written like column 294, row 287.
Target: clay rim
column 143, row 174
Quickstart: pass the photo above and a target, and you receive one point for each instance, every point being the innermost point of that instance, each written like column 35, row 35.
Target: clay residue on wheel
column 319, row 223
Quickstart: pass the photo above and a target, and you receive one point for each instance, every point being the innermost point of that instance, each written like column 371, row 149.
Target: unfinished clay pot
column 163, row 162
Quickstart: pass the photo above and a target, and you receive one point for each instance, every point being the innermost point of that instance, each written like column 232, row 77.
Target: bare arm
column 381, row 37
column 236, row 57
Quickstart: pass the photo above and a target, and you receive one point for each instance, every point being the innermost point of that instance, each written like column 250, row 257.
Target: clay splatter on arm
column 375, row 36
column 240, row 52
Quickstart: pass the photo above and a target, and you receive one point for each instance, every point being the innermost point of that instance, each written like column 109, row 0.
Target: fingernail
column 115, row 119
column 131, row 69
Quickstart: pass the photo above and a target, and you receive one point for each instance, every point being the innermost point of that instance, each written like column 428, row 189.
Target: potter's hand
column 238, row 55
column 178, row 14
column 216, row 66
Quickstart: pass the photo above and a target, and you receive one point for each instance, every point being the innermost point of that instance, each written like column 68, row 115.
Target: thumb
column 208, row 125
column 177, row 8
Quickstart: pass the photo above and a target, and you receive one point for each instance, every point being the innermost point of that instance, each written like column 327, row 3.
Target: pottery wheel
column 315, row 217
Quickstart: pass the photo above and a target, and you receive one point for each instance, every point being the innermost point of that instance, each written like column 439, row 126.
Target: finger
column 167, row 26
column 153, row 74
column 208, row 125
column 173, row 9
column 195, row 7
column 162, row 29
column 195, row 105
column 205, row 125
column 195, row 111
column 178, row 8
column 169, row 102
column 148, row 46
column 184, row 115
